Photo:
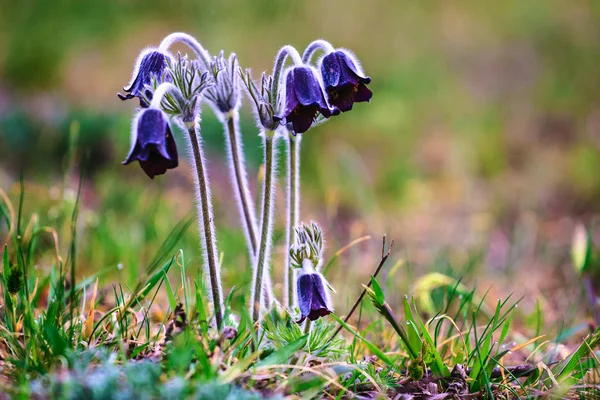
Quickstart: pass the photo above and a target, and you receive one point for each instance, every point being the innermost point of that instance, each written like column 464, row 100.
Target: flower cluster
column 310, row 92
column 286, row 102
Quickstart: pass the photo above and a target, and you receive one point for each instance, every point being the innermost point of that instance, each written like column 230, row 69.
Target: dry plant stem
column 384, row 257
column 264, row 247
column 207, row 228
column 293, row 209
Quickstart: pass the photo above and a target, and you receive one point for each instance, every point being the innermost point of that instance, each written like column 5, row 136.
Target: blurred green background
column 478, row 154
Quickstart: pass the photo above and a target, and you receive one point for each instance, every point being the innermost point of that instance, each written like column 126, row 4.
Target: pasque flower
column 313, row 298
column 152, row 143
column 344, row 80
column 304, row 99
column 152, row 64
column 311, row 288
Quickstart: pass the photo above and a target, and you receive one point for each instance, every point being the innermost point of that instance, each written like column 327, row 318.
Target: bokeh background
column 478, row 155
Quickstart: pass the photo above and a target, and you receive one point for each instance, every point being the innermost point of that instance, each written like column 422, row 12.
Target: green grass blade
column 374, row 349
column 282, row 355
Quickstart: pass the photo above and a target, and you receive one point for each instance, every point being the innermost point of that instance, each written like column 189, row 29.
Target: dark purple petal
column 291, row 101
column 312, row 298
column 304, row 99
column 363, row 93
column 305, row 293
column 154, row 145
column 303, row 118
column 330, row 70
column 344, row 83
column 153, row 64
column 306, row 85
column 345, row 59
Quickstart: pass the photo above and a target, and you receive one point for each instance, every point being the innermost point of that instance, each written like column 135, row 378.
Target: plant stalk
column 266, row 237
column 293, row 212
column 239, row 182
column 207, row 227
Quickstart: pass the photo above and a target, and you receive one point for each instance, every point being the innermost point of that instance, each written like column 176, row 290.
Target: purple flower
column 344, row 80
column 313, row 300
column 304, row 99
column 152, row 143
column 153, row 64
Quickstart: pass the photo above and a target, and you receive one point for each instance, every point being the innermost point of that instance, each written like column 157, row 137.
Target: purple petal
column 305, row 293
column 291, row 101
column 307, row 87
column 154, row 146
column 347, row 59
column 330, row 69
column 363, row 93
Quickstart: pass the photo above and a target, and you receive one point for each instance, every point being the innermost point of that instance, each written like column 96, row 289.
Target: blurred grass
column 482, row 136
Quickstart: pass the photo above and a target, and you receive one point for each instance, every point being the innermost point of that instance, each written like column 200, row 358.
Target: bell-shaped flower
column 344, row 80
column 304, row 99
column 151, row 64
column 313, row 298
column 152, row 143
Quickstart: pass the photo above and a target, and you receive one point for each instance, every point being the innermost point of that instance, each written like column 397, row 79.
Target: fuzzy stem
column 190, row 41
column 207, row 226
column 293, row 213
column 266, row 237
column 315, row 46
column 307, row 325
column 162, row 90
column 278, row 67
column 240, row 181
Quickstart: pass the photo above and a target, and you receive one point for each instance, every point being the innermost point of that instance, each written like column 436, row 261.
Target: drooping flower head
column 345, row 81
column 312, row 290
column 151, row 64
column 304, row 99
column 152, row 143
column 313, row 297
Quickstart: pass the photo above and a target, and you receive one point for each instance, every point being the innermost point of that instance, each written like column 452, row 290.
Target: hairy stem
column 207, row 226
column 190, row 41
column 239, row 182
column 315, row 46
column 307, row 325
column 278, row 67
column 293, row 213
column 162, row 90
column 266, row 237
